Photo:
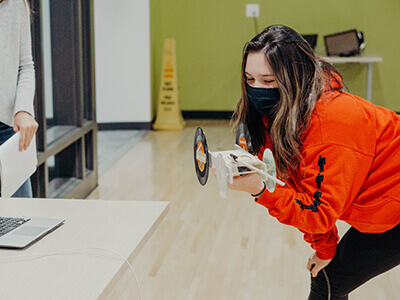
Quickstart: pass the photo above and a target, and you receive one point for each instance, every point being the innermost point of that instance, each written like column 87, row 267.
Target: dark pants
column 25, row 191
column 359, row 257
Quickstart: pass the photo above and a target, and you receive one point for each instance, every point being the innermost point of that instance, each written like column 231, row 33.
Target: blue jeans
column 25, row 191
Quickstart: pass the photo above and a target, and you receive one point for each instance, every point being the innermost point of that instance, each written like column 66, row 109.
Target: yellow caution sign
column 169, row 117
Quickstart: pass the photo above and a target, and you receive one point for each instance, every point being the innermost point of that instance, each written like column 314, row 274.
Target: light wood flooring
column 209, row 247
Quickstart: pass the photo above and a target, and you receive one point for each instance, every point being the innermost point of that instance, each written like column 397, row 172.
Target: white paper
column 16, row 167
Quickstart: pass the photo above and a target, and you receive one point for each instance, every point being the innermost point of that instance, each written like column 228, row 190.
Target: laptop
column 15, row 168
column 20, row 232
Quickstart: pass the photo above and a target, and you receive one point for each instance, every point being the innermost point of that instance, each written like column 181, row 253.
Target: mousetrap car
column 233, row 163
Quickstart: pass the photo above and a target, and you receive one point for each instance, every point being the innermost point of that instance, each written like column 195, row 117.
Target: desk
column 369, row 60
column 121, row 226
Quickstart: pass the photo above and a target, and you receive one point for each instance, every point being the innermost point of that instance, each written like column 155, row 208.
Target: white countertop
column 121, row 226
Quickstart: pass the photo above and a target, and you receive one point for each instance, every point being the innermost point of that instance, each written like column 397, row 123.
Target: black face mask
column 264, row 100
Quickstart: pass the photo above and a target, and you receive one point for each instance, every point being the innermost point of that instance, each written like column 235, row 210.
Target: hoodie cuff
column 327, row 253
column 268, row 199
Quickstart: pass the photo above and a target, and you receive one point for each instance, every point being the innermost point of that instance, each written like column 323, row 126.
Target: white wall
column 122, row 55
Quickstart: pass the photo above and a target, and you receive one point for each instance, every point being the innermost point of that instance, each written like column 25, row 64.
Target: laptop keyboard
column 7, row 224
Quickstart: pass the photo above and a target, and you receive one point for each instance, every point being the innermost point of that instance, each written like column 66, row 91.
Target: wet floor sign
column 169, row 116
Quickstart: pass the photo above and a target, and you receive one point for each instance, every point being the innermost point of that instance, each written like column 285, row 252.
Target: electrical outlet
column 252, row 10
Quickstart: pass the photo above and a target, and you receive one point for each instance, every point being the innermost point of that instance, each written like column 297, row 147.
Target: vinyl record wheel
column 201, row 157
column 243, row 138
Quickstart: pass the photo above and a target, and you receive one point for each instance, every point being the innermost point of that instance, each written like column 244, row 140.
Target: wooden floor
column 209, row 247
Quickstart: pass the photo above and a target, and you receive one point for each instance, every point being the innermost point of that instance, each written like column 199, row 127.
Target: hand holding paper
column 27, row 125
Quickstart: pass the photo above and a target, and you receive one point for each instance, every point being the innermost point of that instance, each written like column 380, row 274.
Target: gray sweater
column 17, row 74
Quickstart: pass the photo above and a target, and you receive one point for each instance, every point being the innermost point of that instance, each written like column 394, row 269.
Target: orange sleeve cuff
column 327, row 253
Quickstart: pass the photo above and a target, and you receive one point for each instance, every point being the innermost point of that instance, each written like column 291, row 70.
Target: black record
column 202, row 163
column 243, row 138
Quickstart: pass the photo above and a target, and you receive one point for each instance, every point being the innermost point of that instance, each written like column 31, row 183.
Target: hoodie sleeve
column 330, row 178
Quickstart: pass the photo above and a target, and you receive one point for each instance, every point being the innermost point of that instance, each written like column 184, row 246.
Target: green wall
column 210, row 35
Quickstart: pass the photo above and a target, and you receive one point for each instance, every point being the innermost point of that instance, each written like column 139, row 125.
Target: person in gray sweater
column 17, row 78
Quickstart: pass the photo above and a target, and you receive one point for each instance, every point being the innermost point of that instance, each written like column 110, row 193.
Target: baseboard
column 125, row 126
column 204, row 114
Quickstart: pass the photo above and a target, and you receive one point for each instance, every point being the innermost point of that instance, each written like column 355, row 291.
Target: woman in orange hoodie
column 338, row 154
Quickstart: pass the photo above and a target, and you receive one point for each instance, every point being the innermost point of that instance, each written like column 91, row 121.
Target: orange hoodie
column 350, row 171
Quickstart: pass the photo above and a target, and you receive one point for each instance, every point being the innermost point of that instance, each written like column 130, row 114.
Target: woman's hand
column 251, row 183
column 27, row 126
column 315, row 264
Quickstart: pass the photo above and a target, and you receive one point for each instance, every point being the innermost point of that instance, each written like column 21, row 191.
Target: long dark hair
column 300, row 77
